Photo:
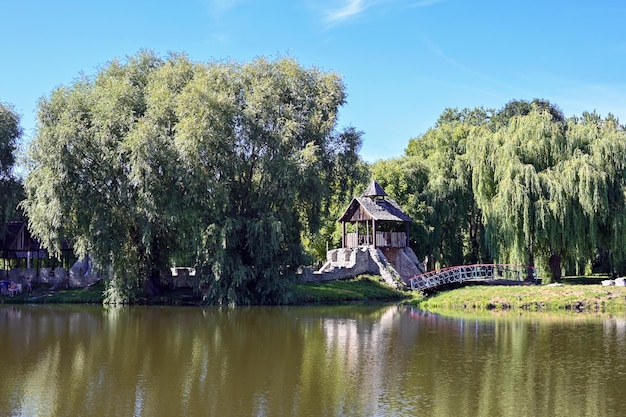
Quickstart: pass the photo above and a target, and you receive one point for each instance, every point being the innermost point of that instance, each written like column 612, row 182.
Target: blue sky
column 402, row 61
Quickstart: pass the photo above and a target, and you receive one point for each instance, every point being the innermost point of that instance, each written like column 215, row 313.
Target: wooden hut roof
column 17, row 236
column 18, row 241
column 366, row 208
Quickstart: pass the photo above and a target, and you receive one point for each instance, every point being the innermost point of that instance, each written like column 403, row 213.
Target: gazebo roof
column 370, row 206
column 18, row 240
column 16, row 234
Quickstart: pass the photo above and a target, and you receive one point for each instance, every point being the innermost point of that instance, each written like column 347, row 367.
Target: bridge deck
column 457, row 274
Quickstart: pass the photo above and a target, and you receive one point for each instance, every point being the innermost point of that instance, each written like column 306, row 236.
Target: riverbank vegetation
column 364, row 288
column 360, row 289
column 573, row 298
column 240, row 170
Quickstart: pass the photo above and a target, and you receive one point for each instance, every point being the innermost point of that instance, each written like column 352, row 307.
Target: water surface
column 307, row 361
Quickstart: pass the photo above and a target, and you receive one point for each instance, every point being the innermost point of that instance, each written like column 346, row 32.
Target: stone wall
column 347, row 263
column 51, row 276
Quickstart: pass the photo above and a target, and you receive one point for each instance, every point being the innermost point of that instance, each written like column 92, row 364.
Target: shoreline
column 576, row 298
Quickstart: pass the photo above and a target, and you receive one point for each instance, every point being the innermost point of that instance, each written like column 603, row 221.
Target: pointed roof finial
column 374, row 190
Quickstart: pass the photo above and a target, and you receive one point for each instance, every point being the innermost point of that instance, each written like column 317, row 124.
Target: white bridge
column 432, row 280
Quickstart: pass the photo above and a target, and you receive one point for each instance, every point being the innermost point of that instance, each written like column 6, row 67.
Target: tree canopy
column 222, row 165
column 239, row 169
column 522, row 184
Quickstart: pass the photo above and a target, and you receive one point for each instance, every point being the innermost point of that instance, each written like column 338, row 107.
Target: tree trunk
column 555, row 266
column 530, row 277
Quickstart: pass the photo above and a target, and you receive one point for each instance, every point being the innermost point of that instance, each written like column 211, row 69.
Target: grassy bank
column 364, row 289
column 580, row 298
column 569, row 297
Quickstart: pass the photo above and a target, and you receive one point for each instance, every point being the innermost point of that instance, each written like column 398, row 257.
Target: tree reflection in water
column 348, row 360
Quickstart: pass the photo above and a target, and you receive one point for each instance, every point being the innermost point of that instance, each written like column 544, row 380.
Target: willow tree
column 221, row 165
column 551, row 190
column 257, row 138
column 511, row 188
column 595, row 177
column 347, row 175
column 85, row 181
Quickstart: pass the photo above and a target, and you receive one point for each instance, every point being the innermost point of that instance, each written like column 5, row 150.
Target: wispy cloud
column 218, row 12
column 347, row 10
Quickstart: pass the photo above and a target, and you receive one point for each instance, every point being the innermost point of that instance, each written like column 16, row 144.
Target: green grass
column 363, row 288
column 569, row 297
column 581, row 298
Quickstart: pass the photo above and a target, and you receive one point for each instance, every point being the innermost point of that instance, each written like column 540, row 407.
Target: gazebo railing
column 433, row 279
column 383, row 240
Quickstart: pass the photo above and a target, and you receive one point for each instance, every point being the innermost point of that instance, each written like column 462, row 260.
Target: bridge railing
column 433, row 279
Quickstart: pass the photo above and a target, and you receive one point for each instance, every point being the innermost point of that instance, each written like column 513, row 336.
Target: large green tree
column 221, row 165
column 552, row 190
column 348, row 176
column 260, row 141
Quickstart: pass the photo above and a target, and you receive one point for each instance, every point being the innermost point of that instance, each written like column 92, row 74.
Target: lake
column 307, row 361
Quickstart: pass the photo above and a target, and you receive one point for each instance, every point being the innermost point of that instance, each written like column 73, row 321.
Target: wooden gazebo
column 370, row 213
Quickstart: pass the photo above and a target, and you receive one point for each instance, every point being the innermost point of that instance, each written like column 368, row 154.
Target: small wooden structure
column 17, row 243
column 374, row 211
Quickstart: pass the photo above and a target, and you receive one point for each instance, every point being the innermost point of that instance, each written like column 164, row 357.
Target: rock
column 620, row 282
column 608, row 282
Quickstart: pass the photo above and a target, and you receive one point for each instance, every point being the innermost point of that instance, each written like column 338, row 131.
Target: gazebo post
column 343, row 234
column 374, row 232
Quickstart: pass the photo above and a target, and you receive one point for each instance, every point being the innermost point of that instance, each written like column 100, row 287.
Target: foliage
column 220, row 164
column 517, row 108
column 519, row 185
column 546, row 189
column 10, row 132
column 405, row 180
column 348, row 176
